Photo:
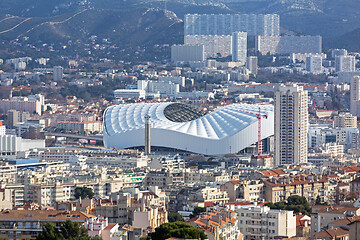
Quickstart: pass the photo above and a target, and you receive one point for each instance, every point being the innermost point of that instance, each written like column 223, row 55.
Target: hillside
column 349, row 41
column 135, row 27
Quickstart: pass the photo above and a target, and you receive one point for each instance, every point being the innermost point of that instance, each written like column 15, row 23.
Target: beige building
column 27, row 224
column 346, row 120
column 279, row 189
column 291, row 125
column 141, row 209
column 250, row 190
column 210, row 195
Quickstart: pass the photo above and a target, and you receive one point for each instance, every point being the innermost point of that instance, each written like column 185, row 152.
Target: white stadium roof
column 228, row 129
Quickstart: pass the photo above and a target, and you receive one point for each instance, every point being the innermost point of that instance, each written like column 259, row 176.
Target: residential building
column 252, row 64
column 345, row 120
column 172, row 163
column 14, row 117
column 129, row 93
column 261, row 222
column 160, row 178
column 310, row 187
column 338, row 52
column 82, row 127
column 288, row 44
column 214, row 45
column 345, row 63
column 226, row 24
column 23, row 104
column 218, row 224
column 165, row 89
column 188, row 53
column 333, row 234
column 323, row 215
column 354, row 230
column 209, row 194
column 141, row 209
column 239, row 47
column 27, row 224
column 57, row 73
column 100, row 227
column 249, row 190
column 291, row 125
column 314, row 64
column 355, row 96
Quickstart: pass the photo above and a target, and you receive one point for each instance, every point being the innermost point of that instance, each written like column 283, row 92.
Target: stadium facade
column 228, row 129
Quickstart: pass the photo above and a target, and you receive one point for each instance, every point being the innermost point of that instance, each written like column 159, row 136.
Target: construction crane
column 259, row 116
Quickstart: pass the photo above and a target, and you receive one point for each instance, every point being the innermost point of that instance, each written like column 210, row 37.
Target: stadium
column 228, row 129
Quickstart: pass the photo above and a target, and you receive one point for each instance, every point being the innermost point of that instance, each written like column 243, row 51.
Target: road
column 10, row 29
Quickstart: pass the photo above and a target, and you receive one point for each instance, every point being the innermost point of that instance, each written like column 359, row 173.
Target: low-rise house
column 217, row 225
column 333, row 234
column 322, row 216
column 27, row 224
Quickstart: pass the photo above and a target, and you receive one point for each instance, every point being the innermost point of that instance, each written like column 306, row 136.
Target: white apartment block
column 291, row 125
column 239, row 47
column 252, row 64
column 314, row 64
column 188, row 53
column 214, row 45
column 261, row 222
column 345, row 63
column 226, row 24
column 355, row 96
column 288, row 44
column 169, row 162
column 129, row 93
column 320, row 136
column 338, row 52
column 174, row 79
column 119, row 162
column 165, row 89
column 11, row 144
column 58, row 73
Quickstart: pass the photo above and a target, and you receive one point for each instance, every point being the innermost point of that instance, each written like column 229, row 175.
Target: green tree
column 197, row 211
column 83, row 192
column 73, row 230
column 68, row 230
column 49, row 232
column 178, row 230
column 175, row 217
column 294, row 203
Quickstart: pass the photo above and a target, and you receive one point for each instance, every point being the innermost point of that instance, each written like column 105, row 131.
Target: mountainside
column 350, row 41
column 328, row 18
column 130, row 22
column 131, row 27
column 325, row 17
